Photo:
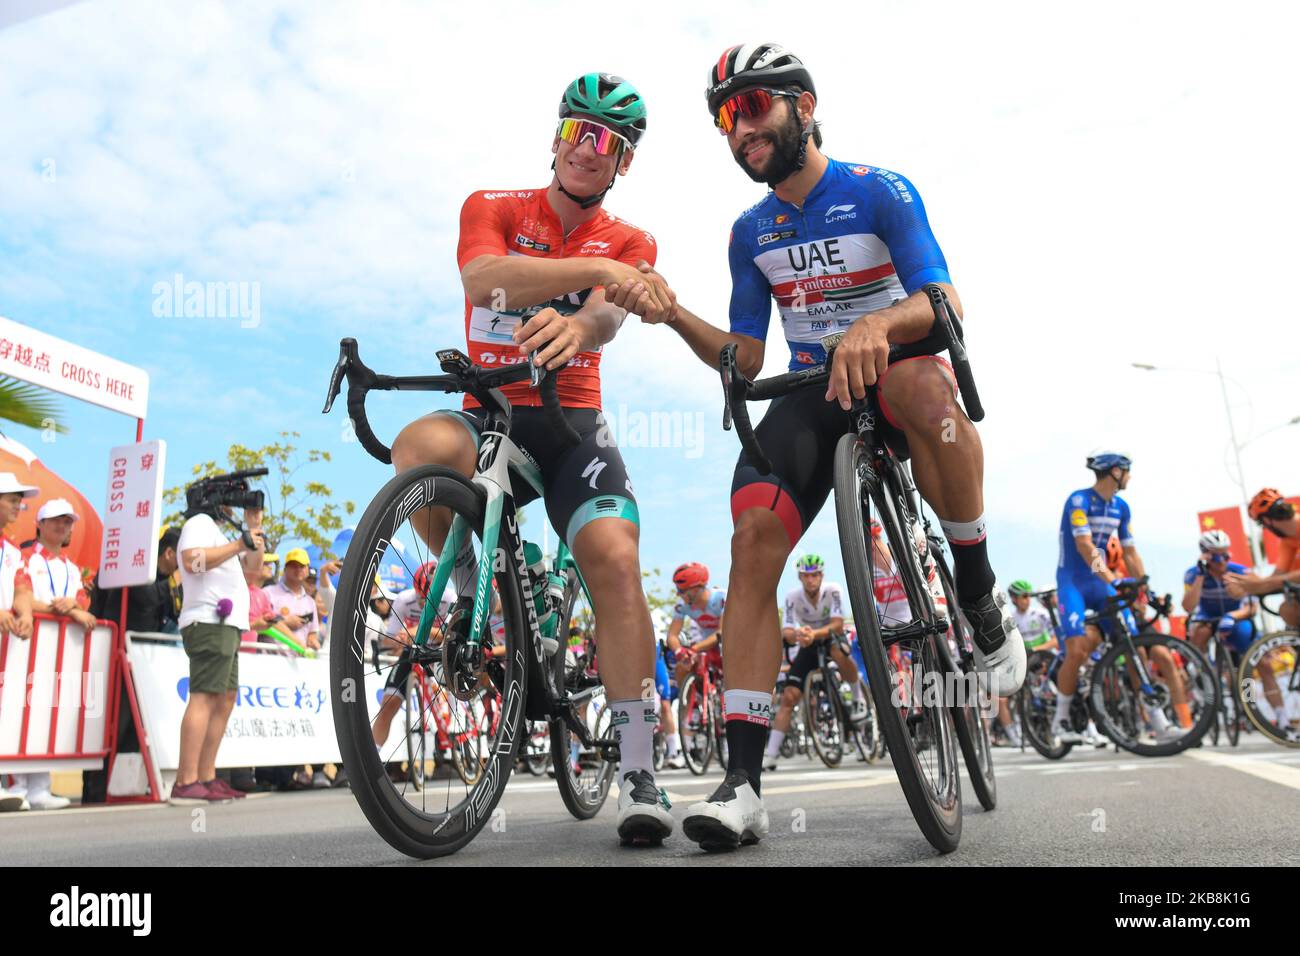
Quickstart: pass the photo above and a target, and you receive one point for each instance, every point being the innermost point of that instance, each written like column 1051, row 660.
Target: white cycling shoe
column 643, row 817
column 734, row 816
column 1002, row 669
column 1065, row 733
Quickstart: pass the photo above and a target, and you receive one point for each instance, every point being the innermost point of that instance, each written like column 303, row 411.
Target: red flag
column 1228, row 520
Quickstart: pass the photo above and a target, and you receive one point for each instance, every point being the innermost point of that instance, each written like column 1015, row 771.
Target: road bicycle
column 871, row 479
column 1136, row 672
column 828, row 717
column 1270, row 675
column 484, row 538
column 437, row 724
column 699, row 715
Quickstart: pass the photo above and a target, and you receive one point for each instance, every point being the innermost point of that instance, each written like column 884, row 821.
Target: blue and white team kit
column 1078, row 589
column 1216, row 604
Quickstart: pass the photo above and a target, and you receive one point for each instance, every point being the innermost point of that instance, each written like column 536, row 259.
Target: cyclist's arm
column 501, row 282
column 708, row 643
column 835, row 626
column 1092, row 557
column 1245, row 612
column 911, row 318
column 599, row 320
column 1133, row 561
column 672, row 640
column 1192, row 593
column 707, row 341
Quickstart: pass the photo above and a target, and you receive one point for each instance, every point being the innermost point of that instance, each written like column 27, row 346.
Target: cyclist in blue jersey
column 1084, row 580
column 1206, row 600
column 839, row 246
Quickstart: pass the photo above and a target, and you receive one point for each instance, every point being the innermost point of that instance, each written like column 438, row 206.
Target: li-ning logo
column 843, row 211
column 76, row 909
column 593, row 247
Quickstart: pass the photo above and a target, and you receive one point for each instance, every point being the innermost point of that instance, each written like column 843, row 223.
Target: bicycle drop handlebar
column 460, row 376
column 946, row 335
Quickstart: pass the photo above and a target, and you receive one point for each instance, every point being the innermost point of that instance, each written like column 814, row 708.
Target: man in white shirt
column 213, row 617
column 15, row 597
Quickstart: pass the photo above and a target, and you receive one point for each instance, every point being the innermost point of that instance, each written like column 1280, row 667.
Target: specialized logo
column 593, row 247
column 593, row 470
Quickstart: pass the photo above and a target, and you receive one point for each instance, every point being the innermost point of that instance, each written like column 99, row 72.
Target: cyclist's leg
column 799, row 433
column 664, row 692
column 1080, row 638
column 394, row 696
column 919, row 397
column 447, row 438
column 1198, row 632
column 848, row 669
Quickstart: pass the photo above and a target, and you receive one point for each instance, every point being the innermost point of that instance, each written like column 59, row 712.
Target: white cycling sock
column 1158, row 720
column 672, row 742
column 774, row 742
column 1063, row 702
column 634, row 726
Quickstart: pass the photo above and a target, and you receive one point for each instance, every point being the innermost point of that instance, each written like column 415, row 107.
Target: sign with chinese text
column 69, row 369
column 129, row 554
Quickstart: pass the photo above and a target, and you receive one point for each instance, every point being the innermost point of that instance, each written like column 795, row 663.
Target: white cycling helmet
column 1215, row 540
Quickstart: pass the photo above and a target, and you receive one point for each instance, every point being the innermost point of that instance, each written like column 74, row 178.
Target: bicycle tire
column 821, row 714
column 1037, row 714
column 1250, row 692
column 697, row 761
column 537, row 747
column 967, row 716
column 584, row 792
column 418, row 831
column 935, row 805
column 1229, row 707
column 1112, row 697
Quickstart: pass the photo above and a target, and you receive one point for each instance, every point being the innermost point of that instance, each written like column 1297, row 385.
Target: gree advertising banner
column 282, row 713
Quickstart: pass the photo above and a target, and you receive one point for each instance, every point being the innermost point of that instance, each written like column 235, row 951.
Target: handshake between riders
column 548, row 270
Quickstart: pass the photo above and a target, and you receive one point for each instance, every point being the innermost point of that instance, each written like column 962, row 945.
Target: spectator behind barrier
column 15, row 593
column 149, row 607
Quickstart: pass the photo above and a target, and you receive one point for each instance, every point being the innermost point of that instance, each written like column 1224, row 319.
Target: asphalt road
column 1213, row 806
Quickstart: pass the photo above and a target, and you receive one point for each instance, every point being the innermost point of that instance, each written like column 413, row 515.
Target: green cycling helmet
column 609, row 99
column 809, row 564
column 1021, row 587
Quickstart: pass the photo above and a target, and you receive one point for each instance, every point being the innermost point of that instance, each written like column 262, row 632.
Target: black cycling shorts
column 799, row 433
column 582, row 483
column 804, row 663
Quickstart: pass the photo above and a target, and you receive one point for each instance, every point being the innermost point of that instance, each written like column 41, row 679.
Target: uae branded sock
column 970, row 558
column 748, row 715
column 634, row 727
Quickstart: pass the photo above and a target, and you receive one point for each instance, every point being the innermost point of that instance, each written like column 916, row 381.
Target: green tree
column 28, row 405
column 295, row 510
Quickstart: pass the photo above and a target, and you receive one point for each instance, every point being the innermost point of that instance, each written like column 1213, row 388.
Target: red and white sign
column 132, row 516
column 1228, row 520
column 69, row 369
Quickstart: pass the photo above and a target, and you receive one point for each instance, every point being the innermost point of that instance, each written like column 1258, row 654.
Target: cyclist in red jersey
column 534, row 264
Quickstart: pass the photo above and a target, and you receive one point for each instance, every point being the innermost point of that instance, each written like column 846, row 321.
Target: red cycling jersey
column 522, row 223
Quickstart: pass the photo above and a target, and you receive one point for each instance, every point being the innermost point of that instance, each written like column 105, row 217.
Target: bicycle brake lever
column 727, row 368
column 535, row 371
column 340, row 369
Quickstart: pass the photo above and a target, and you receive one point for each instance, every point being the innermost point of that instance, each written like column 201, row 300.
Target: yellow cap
column 270, row 558
column 299, row 555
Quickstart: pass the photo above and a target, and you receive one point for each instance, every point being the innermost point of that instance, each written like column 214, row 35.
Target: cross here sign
column 132, row 515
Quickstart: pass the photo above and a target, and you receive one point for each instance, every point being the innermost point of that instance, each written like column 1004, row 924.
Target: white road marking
column 1257, row 766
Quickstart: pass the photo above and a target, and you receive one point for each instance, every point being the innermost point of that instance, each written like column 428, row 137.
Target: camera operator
column 213, row 616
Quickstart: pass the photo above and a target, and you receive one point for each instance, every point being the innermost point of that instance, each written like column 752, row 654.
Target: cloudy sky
column 1109, row 183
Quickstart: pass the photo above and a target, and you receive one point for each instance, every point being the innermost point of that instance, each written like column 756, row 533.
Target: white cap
column 56, row 508
column 9, row 484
